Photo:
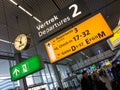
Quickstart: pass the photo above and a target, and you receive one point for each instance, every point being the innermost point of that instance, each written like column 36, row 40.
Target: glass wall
column 45, row 77
column 63, row 71
column 5, row 80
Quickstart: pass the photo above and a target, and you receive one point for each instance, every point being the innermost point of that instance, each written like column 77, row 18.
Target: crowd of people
column 116, row 74
column 99, row 79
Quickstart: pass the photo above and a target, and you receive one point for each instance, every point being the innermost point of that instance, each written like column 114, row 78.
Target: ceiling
column 14, row 21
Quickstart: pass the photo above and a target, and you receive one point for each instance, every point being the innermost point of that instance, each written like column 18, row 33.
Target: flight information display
column 77, row 38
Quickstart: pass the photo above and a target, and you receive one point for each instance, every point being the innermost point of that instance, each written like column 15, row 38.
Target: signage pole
column 23, row 84
column 57, row 74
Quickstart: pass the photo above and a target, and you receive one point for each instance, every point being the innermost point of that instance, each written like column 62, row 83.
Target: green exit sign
column 25, row 68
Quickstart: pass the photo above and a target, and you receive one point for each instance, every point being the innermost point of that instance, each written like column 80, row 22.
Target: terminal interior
column 66, row 72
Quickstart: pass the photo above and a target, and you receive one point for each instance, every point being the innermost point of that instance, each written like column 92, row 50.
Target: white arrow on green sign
column 25, row 68
column 16, row 72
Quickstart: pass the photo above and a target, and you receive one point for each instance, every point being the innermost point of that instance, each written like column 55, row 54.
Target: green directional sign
column 25, row 68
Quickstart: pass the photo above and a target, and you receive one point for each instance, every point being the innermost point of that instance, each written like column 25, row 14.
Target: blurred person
column 102, row 72
column 109, row 73
column 86, row 81
column 98, row 84
column 116, row 71
column 59, row 88
column 94, row 82
column 105, row 79
column 115, row 83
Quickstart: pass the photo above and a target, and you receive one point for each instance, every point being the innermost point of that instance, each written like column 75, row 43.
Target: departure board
column 77, row 38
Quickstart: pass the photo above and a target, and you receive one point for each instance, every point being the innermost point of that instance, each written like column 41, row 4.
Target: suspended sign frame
column 77, row 38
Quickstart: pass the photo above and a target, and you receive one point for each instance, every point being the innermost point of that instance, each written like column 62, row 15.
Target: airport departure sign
column 25, row 68
column 62, row 19
column 79, row 37
column 115, row 39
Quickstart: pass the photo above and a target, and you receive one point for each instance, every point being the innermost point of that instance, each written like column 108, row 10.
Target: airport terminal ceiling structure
column 14, row 20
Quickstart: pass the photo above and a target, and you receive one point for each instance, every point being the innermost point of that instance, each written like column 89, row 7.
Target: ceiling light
column 29, row 13
column 99, row 51
column 13, row 2
column 87, row 56
column 82, row 53
column 25, row 10
column 36, row 19
column 69, row 59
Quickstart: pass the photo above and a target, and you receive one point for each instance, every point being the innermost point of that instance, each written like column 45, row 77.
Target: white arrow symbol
column 16, row 71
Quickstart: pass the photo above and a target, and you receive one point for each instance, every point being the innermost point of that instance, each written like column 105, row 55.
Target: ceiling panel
column 62, row 3
column 97, row 5
column 40, row 8
column 3, row 31
column 10, row 14
column 1, row 12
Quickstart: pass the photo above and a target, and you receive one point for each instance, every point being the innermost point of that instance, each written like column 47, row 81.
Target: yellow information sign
column 79, row 37
column 115, row 39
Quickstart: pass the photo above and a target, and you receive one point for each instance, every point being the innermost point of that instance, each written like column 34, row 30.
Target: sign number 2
column 75, row 12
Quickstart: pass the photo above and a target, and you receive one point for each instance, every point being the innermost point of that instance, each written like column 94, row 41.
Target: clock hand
column 20, row 40
column 21, row 45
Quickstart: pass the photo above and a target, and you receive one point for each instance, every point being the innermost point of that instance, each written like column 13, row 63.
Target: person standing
column 116, row 71
column 86, row 81
column 99, row 84
column 116, row 75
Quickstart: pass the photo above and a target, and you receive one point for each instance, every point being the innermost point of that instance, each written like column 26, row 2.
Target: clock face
column 21, row 42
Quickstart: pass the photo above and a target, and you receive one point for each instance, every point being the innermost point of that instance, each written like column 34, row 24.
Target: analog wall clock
column 22, row 42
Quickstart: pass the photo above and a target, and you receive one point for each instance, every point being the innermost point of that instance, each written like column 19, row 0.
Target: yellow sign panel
column 79, row 37
column 115, row 39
